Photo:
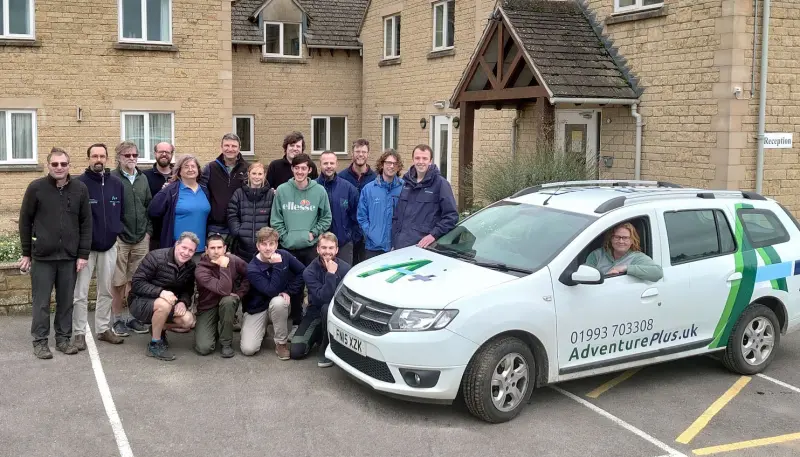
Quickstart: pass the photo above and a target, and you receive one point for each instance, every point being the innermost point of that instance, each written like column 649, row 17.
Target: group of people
column 191, row 247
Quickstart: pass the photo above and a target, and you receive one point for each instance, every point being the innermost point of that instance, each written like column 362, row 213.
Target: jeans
column 213, row 321
column 105, row 263
column 305, row 256
column 44, row 275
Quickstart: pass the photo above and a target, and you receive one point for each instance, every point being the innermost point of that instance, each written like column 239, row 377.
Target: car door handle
column 735, row 277
column 651, row 292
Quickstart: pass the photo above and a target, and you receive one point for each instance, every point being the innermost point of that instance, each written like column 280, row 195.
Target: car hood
column 418, row 278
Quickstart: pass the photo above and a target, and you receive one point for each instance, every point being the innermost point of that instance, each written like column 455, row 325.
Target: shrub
column 10, row 249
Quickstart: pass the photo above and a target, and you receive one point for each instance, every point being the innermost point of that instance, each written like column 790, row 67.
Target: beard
column 98, row 167
column 163, row 161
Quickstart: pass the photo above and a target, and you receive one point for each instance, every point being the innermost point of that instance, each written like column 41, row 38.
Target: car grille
column 374, row 319
column 367, row 365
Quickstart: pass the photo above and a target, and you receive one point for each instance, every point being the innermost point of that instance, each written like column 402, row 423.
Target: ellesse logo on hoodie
column 304, row 205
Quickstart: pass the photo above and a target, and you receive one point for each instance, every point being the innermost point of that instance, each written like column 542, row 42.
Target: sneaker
column 324, row 362
column 120, row 329
column 66, row 347
column 42, row 351
column 160, row 351
column 137, row 326
column 80, row 342
column 110, row 337
column 283, row 351
column 227, row 351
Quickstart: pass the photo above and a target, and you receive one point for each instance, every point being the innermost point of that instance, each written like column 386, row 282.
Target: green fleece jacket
column 639, row 264
column 135, row 222
column 296, row 212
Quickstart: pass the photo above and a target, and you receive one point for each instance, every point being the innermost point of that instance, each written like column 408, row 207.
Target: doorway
column 578, row 133
column 442, row 144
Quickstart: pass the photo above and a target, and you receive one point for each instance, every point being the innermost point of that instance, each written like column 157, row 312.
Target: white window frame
column 386, row 23
column 280, row 40
column 146, row 156
column 252, row 132
column 637, row 6
column 392, row 132
column 445, row 25
column 18, row 36
column 143, row 39
column 34, row 132
column 328, row 134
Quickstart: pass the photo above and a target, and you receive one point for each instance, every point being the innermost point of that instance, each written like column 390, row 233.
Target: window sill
column 289, row 60
column 146, row 47
column 637, row 15
column 389, row 62
column 441, row 53
column 22, row 168
column 21, row 42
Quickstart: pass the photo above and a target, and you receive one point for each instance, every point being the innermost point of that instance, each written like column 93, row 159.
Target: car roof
column 598, row 197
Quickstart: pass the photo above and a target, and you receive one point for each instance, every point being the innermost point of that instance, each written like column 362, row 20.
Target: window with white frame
column 17, row 136
column 391, row 37
column 16, row 18
column 621, row 6
column 329, row 133
column 244, row 128
column 444, row 18
column 145, row 21
column 391, row 126
column 283, row 39
column 147, row 129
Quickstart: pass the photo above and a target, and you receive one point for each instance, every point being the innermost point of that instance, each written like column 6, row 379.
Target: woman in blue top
column 183, row 204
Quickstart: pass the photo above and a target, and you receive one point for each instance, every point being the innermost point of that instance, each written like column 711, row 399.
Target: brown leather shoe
column 110, row 337
column 283, row 351
column 79, row 341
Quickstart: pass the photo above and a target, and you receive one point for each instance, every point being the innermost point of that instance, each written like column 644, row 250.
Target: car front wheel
column 499, row 380
column 753, row 341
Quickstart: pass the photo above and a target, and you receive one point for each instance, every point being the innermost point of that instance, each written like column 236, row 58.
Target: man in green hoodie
column 300, row 214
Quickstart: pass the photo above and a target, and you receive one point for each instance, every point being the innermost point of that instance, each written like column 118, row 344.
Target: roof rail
column 619, row 202
column 596, row 182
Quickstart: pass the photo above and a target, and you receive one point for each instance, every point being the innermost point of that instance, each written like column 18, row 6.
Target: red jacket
column 214, row 282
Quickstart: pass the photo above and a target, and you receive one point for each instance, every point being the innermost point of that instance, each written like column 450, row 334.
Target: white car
column 505, row 303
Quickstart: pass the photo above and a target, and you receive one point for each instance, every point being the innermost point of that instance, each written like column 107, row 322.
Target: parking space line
column 612, row 383
column 747, row 444
column 663, row 446
column 108, row 402
column 780, row 383
column 712, row 410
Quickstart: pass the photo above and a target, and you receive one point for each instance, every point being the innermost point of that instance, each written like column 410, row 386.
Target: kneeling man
column 221, row 284
column 161, row 292
column 274, row 275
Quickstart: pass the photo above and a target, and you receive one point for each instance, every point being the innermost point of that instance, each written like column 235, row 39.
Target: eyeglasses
column 620, row 238
column 59, row 164
column 130, row 156
column 163, row 152
column 386, row 162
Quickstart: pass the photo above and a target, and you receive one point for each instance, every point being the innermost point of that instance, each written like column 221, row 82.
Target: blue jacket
column 268, row 280
column 375, row 209
column 343, row 198
column 106, row 197
column 322, row 285
column 424, row 208
column 163, row 206
column 350, row 176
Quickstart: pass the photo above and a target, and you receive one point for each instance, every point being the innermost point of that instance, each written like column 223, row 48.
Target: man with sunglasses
column 157, row 177
column 134, row 241
column 58, row 207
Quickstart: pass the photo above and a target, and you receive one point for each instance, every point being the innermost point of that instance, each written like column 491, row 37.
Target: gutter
column 322, row 46
column 762, row 103
column 259, row 43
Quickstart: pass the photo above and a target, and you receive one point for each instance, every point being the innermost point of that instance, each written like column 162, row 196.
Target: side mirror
column 587, row 275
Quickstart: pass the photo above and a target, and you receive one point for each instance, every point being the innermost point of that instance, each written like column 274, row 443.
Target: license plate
column 349, row 341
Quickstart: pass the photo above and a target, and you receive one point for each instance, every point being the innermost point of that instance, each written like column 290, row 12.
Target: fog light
column 420, row 378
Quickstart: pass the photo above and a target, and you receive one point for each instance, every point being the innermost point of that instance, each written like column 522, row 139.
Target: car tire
column 505, row 400
column 755, row 330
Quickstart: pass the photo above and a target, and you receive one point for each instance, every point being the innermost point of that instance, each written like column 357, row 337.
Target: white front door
column 442, row 143
column 576, row 133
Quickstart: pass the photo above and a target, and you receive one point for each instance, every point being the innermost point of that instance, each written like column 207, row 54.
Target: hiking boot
column 110, row 337
column 324, row 362
column 120, row 329
column 42, row 351
column 158, row 350
column 283, row 351
column 66, row 347
column 227, row 351
column 80, row 342
column 137, row 326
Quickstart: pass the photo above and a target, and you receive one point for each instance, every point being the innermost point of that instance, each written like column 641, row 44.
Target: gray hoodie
column 639, row 264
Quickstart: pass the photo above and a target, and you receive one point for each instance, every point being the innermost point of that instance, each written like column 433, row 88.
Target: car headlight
column 415, row 320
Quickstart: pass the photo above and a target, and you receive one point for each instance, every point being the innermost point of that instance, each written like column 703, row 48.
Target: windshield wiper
column 450, row 252
column 501, row 267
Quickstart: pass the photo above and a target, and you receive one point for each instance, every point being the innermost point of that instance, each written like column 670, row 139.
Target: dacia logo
column 401, row 270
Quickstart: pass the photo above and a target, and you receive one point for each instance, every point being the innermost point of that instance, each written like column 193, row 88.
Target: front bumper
column 440, row 350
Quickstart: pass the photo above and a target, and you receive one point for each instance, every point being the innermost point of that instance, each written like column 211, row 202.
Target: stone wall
column 15, row 291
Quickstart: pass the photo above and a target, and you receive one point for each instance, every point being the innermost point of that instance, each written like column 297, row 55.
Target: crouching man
column 322, row 276
column 274, row 275
column 221, row 284
column 161, row 292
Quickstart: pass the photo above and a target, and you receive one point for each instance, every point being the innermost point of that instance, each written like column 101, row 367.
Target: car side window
column 697, row 234
column 762, row 227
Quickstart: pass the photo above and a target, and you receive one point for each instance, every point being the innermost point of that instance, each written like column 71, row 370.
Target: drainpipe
column 637, row 174
column 762, row 103
column 514, row 123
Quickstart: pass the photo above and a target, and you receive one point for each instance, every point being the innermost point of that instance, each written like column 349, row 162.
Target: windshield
column 512, row 236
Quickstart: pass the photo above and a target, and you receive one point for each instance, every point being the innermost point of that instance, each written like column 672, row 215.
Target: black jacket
column 58, row 218
column 280, row 171
column 156, row 182
column 221, row 186
column 158, row 272
column 106, row 200
column 248, row 211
